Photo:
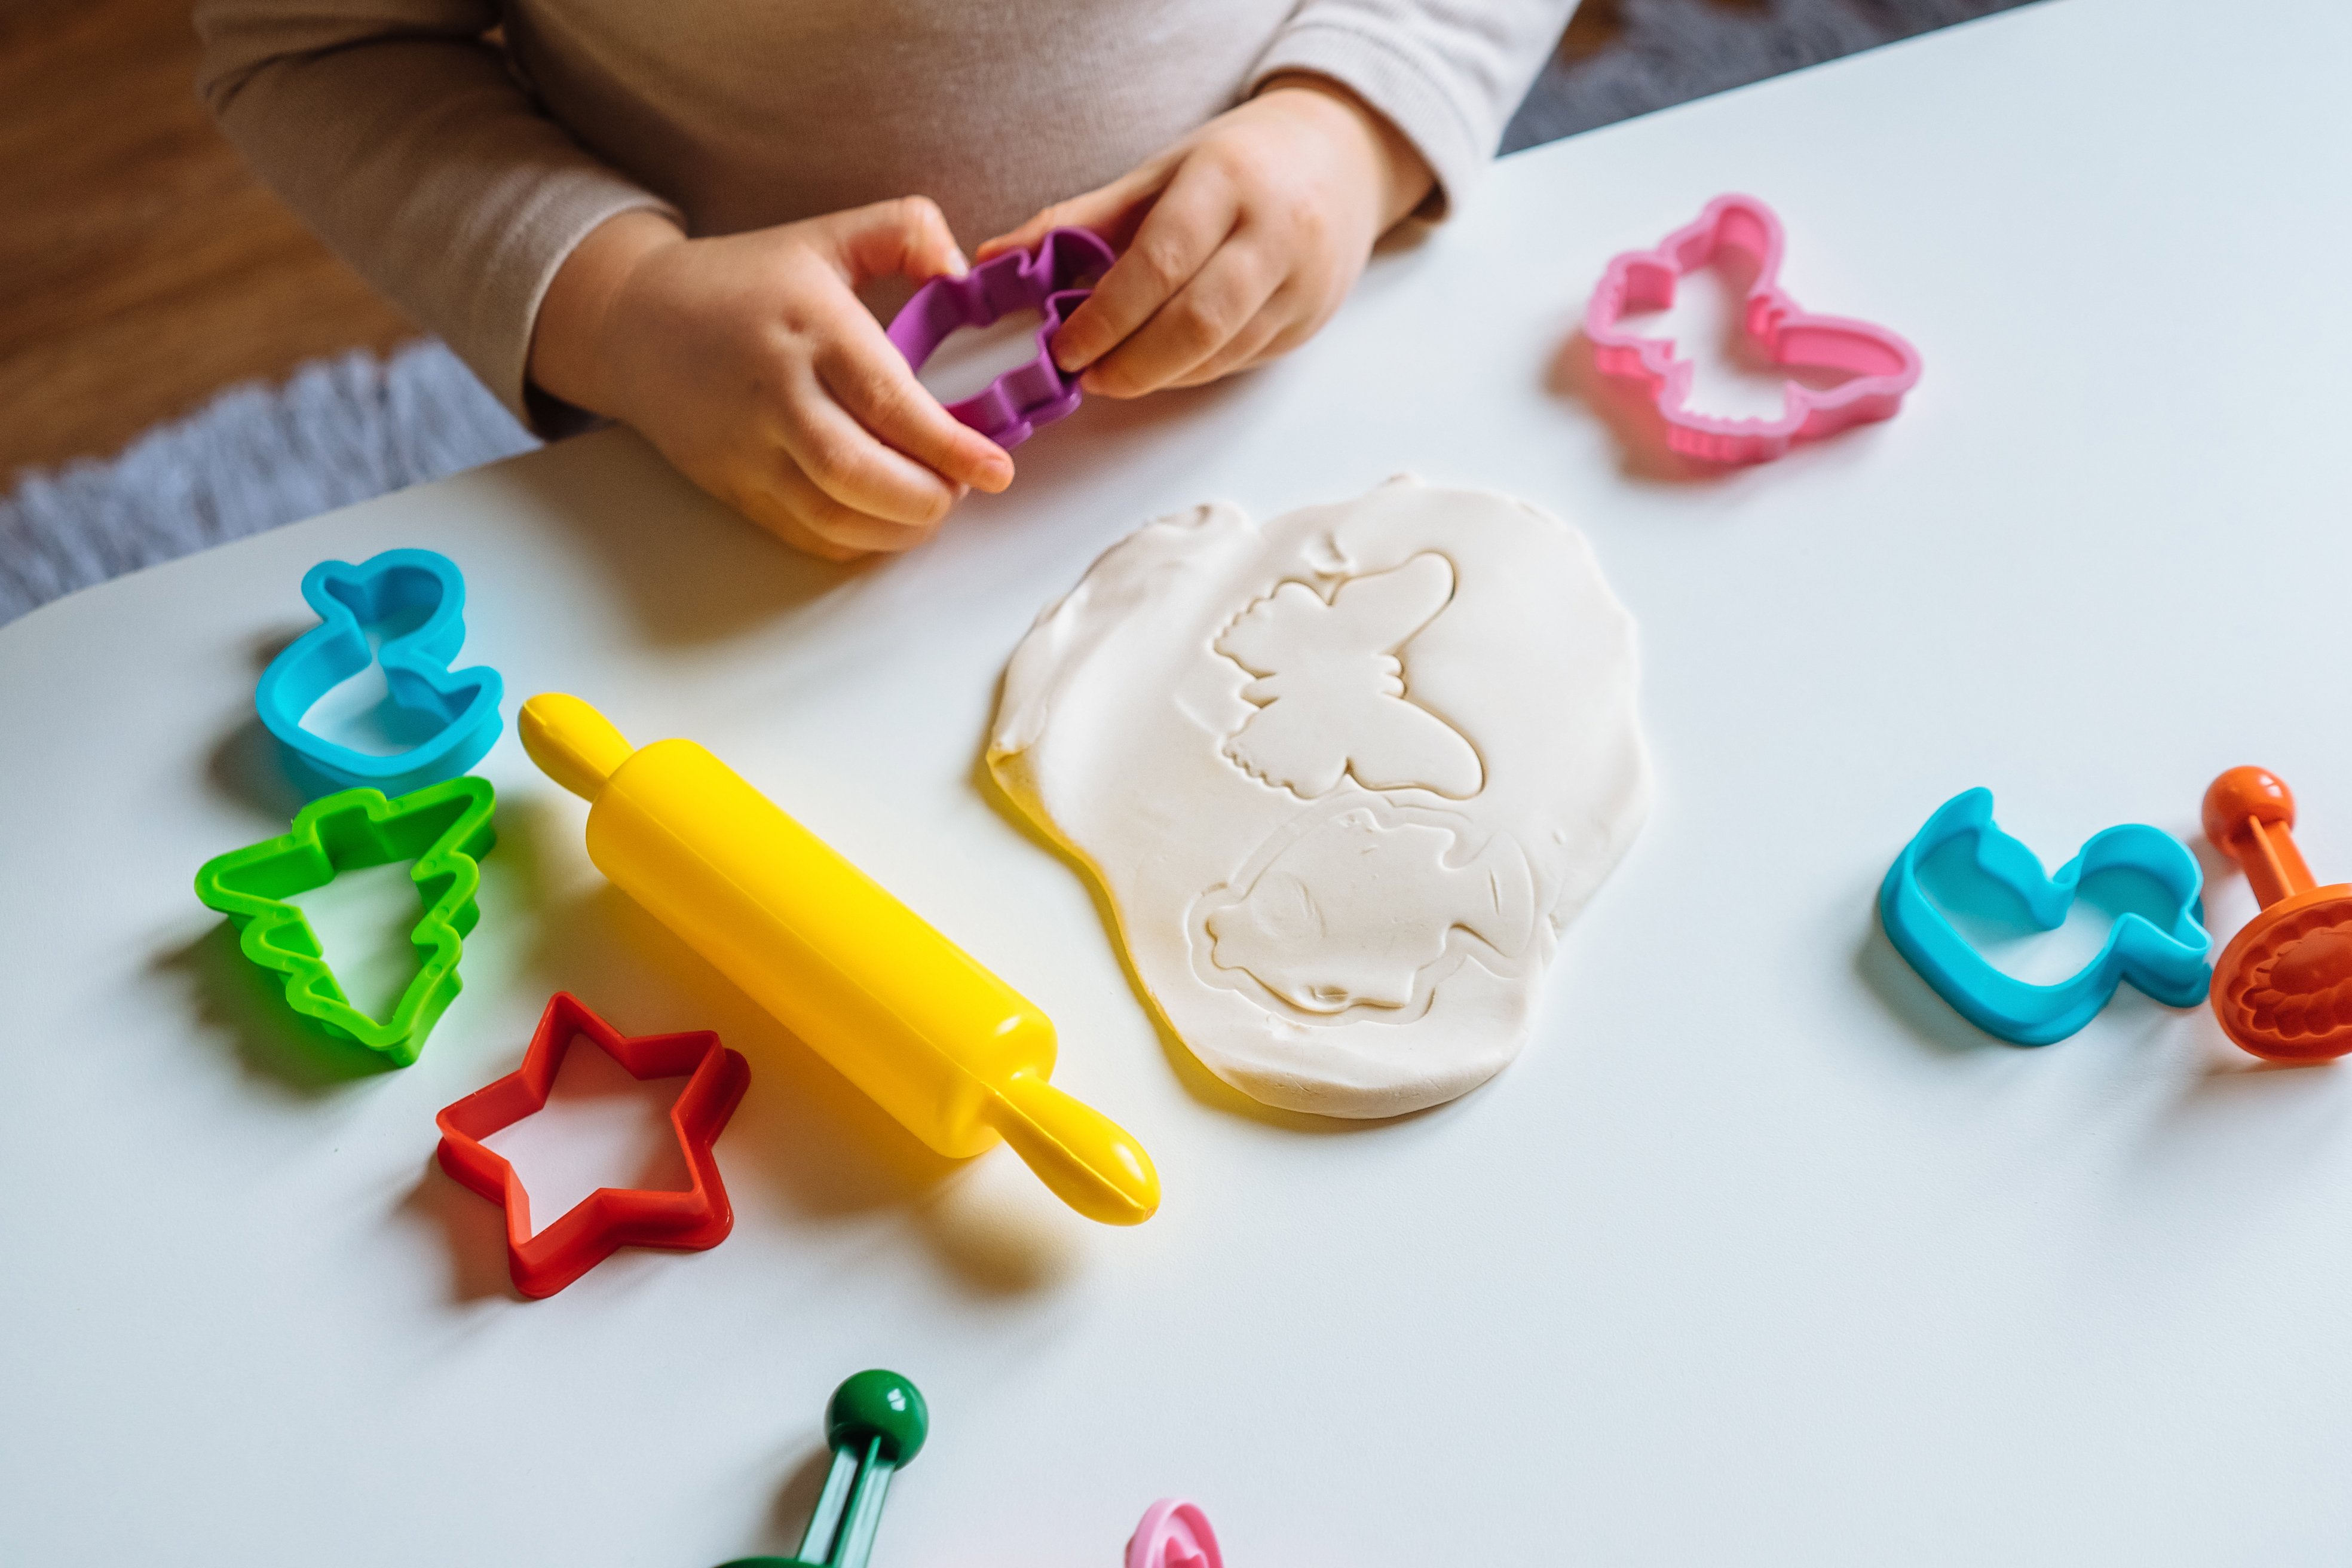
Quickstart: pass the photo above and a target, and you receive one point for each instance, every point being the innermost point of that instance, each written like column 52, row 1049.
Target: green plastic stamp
column 874, row 1424
column 445, row 827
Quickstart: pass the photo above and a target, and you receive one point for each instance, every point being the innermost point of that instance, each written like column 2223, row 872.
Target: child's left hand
column 1237, row 243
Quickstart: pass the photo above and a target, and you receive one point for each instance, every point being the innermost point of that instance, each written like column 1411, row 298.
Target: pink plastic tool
column 1880, row 365
column 1051, row 280
column 1173, row 1534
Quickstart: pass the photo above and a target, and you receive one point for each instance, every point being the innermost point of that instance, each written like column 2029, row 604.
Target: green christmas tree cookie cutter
column 445, row 827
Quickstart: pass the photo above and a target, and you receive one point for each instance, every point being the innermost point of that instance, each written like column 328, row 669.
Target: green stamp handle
column 876, row 1422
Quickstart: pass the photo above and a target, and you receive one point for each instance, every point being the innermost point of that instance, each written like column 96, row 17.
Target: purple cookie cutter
column 1009, row 409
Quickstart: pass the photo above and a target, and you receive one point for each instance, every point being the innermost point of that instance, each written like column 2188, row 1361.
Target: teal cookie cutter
column 421, row 595
column 445, row 828
column 2169, row 965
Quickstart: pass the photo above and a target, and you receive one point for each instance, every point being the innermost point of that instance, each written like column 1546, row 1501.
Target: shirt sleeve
column 398, row 131
column 1446, row 73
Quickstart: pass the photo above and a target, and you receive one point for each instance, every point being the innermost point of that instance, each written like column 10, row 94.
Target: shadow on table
column 802, row 1129
column 245, row 1006
column 692, row 570
column 248, row 766
column 795, row 1501
column 473, row 1230
column 1926, row 1018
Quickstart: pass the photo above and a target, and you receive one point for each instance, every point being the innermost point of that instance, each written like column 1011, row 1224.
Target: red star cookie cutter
column 1880, row 365
column 610, row 1217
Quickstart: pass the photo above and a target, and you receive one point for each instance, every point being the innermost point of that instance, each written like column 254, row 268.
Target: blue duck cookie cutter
column 423, row 593
column 1051, row 279
column 2170, row 966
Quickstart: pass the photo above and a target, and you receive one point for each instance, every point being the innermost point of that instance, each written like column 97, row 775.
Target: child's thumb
column 907, row 237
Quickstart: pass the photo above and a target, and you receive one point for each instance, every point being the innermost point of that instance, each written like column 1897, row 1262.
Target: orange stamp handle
column 2250, row 817
column 2282, row 988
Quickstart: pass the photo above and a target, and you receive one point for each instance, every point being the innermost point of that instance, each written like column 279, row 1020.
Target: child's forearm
column 403, row 139
column 1444, row 74
column 568, row 359
column 1405, row 174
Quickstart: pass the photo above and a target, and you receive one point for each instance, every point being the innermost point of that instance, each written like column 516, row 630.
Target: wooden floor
column 142, row 267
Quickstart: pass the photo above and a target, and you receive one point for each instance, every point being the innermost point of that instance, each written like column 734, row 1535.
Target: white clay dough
column 1344, row 778
column 1330, row 692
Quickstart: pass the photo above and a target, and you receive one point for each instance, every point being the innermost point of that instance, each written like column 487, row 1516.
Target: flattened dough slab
column 1346, row 778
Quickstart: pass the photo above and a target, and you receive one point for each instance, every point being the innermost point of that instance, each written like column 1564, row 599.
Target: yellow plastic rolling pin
column 959, row 1057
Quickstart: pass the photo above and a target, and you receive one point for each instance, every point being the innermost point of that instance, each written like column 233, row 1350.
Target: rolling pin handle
column 571, row 742
column 1090, row 1161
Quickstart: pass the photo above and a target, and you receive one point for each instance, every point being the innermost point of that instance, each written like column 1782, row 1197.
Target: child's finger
column 845, row 532
column 1248, row 346
column 844, row 460
column 905, row 238
column 1221, row 300
column 1112, row 211
column 764, row 505
column 787, row 528
column 1183, row 229
column 868, row 377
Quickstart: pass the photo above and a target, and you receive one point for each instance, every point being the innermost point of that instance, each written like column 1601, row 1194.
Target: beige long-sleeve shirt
column 457, row 169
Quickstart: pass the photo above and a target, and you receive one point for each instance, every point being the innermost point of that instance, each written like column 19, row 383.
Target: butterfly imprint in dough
column 1330, row 691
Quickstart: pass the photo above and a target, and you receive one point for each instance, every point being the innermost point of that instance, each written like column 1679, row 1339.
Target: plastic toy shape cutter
column 610, row 1217
column 1173, row 1534
column 2168, row 964
column 953, row 1052
column 1880, row 366
column 2282, row 988
column 1050, row 280
column 874, row 1424
column 420, row 597
column 445, row 828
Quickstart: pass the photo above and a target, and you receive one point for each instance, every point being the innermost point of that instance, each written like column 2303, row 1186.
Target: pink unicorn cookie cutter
column 1173, row 1534
column 1051, row 280
column 1880, row 366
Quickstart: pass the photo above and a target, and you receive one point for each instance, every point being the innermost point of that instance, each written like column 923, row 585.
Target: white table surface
column 1757, row 1254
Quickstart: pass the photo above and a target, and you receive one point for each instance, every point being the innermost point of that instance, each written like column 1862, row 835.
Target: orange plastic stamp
column 2282, row 988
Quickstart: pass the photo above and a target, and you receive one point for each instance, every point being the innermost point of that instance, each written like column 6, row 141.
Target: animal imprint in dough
column 1344, row 778
column 1330, row 692
column 1326, row 923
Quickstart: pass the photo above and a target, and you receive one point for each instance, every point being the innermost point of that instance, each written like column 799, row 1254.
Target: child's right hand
column 747, row 359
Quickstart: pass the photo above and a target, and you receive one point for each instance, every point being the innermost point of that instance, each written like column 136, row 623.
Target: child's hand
column 1245, row 236
column 751, row 363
